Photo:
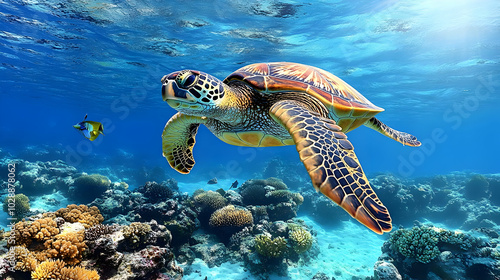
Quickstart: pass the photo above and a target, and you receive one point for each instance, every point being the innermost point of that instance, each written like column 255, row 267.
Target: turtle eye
column 188, row 80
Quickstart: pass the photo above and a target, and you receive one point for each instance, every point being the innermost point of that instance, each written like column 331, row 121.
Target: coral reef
column 301, row 240
column 230, row 216
column 136, row 233
column 155, row 192
column 88, row 216
column 270, row 247
column 56, row 270
column 477, row 187
column 68, row 247
column 229, row 220
column 209, row 200
column 99, row 230
column 146, row 264
column 86, row 188
column 426, row 251
column 44, row 177
column 38, row 231
column 19, row 202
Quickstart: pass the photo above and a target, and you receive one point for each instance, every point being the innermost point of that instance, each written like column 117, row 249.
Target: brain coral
column 301, row 240
column 271, row 248
column 231, row 216
column 210, row 200
column 86, row 188
column 82, row 214
column 20, row 203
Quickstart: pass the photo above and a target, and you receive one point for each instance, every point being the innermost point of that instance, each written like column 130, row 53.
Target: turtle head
column 192, row 92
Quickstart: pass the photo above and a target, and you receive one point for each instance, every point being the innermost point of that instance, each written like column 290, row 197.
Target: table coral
column 88, row 216
column 272, row 248
column 301, row 240
column 231, row 216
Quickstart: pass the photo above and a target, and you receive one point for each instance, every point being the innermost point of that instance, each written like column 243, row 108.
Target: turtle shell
column 346, row 105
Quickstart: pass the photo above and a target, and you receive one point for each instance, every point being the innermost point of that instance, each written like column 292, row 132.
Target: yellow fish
column 89, row 129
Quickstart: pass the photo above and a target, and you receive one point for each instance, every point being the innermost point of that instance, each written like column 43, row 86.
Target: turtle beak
column 170, row 90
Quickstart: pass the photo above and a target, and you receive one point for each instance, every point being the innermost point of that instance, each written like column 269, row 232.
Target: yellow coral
column 77, row 273
column 210, row 199
column 231, row 216
column 136, row 232
column 67, row 246
column 82, row 214
column 39, row 230
column 301, row 240
column 271, row 248
column 50, row 269
column 22, row 257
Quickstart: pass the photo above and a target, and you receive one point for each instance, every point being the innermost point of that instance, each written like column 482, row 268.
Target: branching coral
column 211, row 200
column 301, row 240
column 82, row 214
column 272, row 248
column 231, row 216
column 39, row 230
column 48, row 270
column 56, row 270
column 99, row 230
column 17, row 205
column 22, row 257
column 66, row 246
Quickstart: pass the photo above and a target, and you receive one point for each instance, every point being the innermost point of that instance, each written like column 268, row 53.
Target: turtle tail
column 401, row 137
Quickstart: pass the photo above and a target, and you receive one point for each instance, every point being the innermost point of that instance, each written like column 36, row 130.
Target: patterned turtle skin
column 279, row 104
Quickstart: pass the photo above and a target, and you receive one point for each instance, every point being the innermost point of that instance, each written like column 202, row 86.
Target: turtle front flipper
column 178, row 140
column 332, row 164
column 402, row 137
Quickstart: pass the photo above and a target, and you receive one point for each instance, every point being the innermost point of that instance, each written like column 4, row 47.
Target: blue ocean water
column 434, row 66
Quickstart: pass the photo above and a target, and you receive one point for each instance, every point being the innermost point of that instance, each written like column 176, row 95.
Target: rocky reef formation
column 71, row 243
column 428, row 252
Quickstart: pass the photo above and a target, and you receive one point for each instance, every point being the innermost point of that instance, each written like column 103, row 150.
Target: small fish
column 89, row 129
column 212, row 181
column 234, row 185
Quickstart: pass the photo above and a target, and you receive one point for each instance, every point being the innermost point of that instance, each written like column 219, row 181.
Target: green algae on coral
column 16, row 206
column 301, row 240
column 271, row 248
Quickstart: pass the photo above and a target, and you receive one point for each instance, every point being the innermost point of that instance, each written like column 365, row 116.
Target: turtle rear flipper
column 178, row 140
column 401, row 137
column 332, row 164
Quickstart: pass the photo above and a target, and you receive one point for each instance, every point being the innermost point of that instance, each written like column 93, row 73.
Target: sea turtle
column 279, row 104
